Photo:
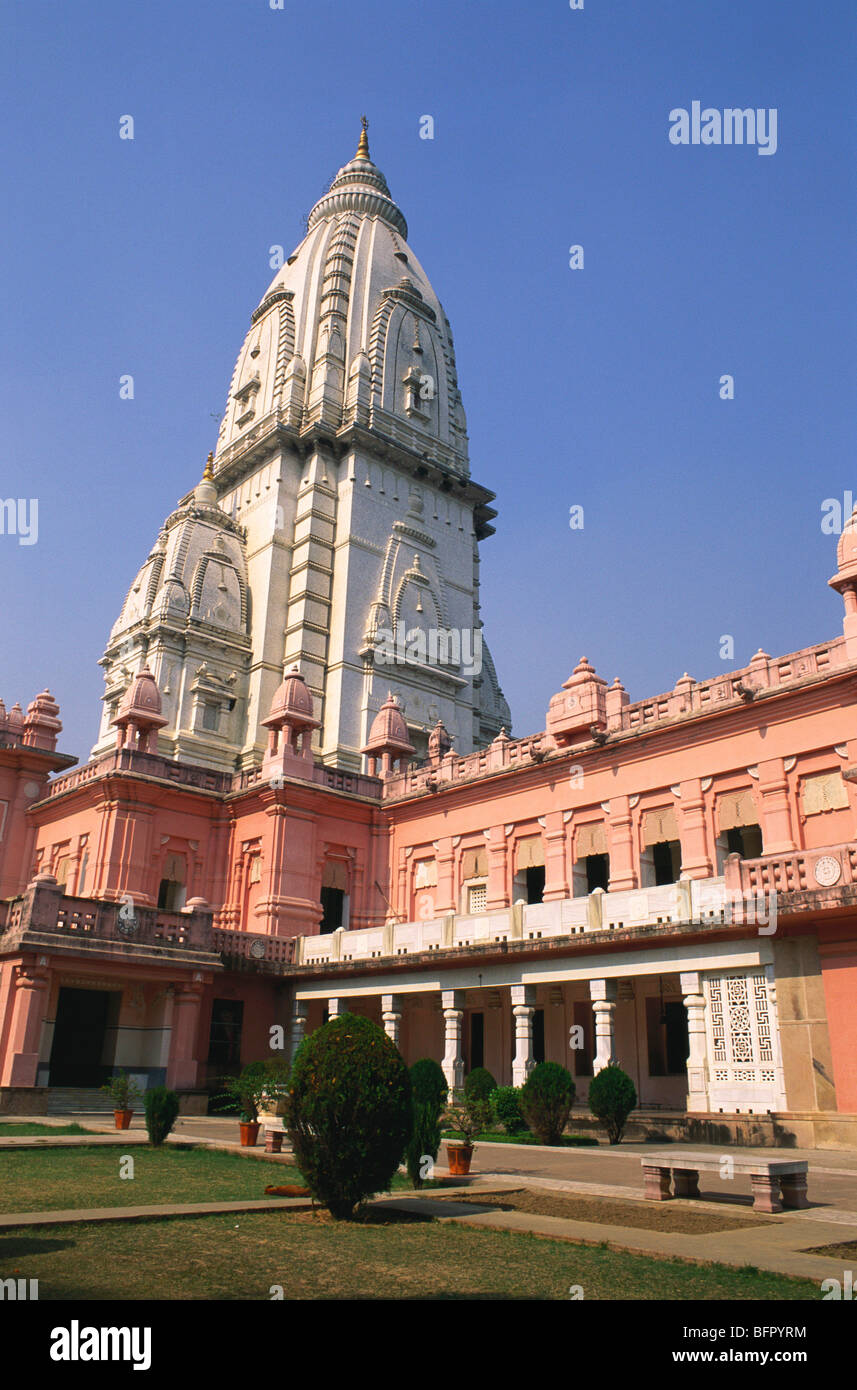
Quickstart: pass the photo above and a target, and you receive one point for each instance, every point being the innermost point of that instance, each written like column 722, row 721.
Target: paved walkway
column 782, row 1246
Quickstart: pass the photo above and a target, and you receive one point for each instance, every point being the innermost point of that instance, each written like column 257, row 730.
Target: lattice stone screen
column 742, row 1050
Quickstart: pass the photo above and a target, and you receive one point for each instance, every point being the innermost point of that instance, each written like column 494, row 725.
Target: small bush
column 479, row 1084
column 506, row 1104
column 612, row 1097
column 161, row 1107
column 546, row 1100
column 349, row 1113
column 428, row 1097
column 428, row 1082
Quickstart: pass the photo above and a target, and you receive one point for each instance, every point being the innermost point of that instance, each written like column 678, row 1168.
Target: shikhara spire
column 338, row 507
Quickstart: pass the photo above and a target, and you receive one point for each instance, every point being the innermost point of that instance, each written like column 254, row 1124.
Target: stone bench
column 776, row 1183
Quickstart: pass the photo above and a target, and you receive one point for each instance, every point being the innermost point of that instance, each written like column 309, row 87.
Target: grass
column 89, row 1176
column 10, row 1129
column 244, row 1255
column 499, row 1136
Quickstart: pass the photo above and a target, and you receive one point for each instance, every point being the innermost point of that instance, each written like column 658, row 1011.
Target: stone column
column 391, row 1016
column 28, row 1014
column 453, row 1015
column 775, row 812
column 620, row 844
column 555, row 838
column 697, row 1056
column 445, row 895
column 496, row 892
column 523, row 1008
column 695, row 855
column 603, row 996
column 298, row 1025
column 183, row 1065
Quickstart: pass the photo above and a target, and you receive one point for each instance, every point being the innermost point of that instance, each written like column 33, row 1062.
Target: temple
column 289, row 812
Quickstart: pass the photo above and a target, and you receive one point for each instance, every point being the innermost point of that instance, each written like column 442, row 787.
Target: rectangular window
column 597, row 872
column 666, row 858
column 477, row 895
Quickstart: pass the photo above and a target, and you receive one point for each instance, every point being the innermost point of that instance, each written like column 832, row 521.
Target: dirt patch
column 320, row 1216
column 846, row 1251
column 666, row 1216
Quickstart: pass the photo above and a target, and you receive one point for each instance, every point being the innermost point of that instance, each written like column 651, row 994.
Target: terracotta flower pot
column 123, row 1118
column 458, row 1157
column 249, row 1134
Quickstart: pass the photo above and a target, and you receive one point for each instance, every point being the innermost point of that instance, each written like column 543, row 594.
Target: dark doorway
column 597, row 872
column 539, row 1035
column 332, row 905
column 477, row 1041
column 224, row 1039
column 79, row 1032
column 536, row 884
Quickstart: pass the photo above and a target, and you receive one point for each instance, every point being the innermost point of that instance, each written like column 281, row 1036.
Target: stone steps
column 78, row 1100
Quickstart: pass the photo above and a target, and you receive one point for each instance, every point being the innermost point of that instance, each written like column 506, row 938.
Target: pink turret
column 579, row 708
column 41, row 725
column 388, row 740
column 290, row 724
column 139, row 717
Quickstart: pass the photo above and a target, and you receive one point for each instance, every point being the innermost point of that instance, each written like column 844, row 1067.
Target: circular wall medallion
column 257, row 949
column 827, row 871
column 127, row 925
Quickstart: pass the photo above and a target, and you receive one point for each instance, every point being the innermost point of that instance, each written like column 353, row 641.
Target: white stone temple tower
column 341, row 468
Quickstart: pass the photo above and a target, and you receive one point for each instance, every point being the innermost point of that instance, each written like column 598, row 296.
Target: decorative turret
column 388, row 740
column 580, row 709
column 15, row 721
column 290, row 723
column 41, row 725
column 845, row 582
column 139, row 717
column 439, row 742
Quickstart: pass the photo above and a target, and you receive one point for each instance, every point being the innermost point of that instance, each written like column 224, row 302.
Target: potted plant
column 258, row 1083
column 122, row 1090
column 469, row 1117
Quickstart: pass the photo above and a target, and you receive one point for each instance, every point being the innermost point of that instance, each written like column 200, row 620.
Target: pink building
column 289, row 812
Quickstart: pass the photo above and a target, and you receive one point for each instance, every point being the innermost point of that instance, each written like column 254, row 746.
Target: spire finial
column 363, row 142
column 208, row 471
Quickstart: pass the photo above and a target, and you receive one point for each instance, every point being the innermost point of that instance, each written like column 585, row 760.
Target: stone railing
column 129, row 760
column 44, row 910
column 690, row 900
column 251, row 946
column 500, row 755
column 801, row 871
column 704, row 697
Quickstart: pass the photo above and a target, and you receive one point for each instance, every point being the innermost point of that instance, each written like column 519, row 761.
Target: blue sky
column 599, row 387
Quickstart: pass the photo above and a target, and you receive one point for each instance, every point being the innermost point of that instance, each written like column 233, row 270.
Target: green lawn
column 88, row 1176
column 10, row 1129
column 242, row 1255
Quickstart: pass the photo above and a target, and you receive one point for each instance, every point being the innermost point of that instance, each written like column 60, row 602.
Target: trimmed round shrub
column 506, row 1104
column 428, row 1082
column 546, row 1100
column 479, row 1084
column 428, row 1097
column 348, row 1115
column 161, row 1108
column 612, row 1097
